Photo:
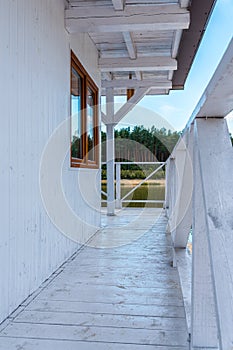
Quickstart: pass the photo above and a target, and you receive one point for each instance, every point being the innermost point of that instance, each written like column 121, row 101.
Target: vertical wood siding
column 35, row 82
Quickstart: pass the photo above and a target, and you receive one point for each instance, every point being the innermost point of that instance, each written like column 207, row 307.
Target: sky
column 176, row 108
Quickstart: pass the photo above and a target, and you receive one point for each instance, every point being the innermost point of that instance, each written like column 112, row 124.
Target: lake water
column 149, row 191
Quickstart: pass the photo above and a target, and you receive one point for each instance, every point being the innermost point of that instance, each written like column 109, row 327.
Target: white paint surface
column 35, row 79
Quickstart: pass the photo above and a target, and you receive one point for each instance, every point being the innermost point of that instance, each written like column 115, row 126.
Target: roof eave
column 200, row 11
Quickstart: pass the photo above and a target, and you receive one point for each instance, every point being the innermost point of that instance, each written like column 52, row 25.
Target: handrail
column 142, row 182
column 104, row 193
column 120, row 200
column 205, row 142
column 136, row 163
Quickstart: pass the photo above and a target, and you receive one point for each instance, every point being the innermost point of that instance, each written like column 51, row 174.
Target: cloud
column 229, row 119
column 169, row 110
column 230, row 116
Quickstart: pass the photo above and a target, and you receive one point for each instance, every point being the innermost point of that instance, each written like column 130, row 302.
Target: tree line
column 142, row 145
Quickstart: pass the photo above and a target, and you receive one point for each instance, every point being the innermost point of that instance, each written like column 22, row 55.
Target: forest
column 140, row 145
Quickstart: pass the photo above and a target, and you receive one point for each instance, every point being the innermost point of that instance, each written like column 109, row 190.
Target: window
column 84, row 117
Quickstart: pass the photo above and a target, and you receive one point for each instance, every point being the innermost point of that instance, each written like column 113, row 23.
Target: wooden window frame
column 87, row 83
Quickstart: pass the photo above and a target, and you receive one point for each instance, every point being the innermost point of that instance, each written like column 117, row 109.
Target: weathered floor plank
column 105, row 320
column 119, row 298
column 41, row 344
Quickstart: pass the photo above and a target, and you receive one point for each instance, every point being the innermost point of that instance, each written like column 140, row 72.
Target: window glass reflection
column 76, row 115
column 90, row 124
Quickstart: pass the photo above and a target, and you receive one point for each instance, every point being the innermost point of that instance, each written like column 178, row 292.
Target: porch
column 125, row 295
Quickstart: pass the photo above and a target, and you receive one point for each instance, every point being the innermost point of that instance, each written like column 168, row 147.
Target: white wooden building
column 57, row 58
column 35, row 77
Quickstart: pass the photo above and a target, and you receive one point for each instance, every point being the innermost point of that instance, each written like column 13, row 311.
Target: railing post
column 110, row 170
column 215, row 158
column 179, row 182
column 167, row 188
column 170, row 193
column 118, row 186
column 110, row 152
column 203, row 318
column 184, row 184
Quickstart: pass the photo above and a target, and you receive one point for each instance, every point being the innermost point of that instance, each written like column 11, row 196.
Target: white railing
column 200, row 195
column 119, row 200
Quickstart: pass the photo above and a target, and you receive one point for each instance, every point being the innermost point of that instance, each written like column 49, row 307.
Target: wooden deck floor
column 119, row 298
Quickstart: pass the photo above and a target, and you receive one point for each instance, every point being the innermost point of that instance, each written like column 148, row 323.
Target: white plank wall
column 35, row 80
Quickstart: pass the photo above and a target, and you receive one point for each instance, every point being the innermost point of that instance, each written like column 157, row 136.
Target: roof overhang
column 200, row 12
column 142, row 44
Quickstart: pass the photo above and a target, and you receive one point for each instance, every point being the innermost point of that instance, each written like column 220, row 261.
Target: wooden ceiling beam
column 118, row 4
column 122, row 92
column 129, row 10
column 184, row 3
column 130, row 45
column 135, row 84
column 107, row 76
column 176, row 43
column 138, row 75
column 125, row 64
column 132, row 51
column 133, row 18
column 175, row 48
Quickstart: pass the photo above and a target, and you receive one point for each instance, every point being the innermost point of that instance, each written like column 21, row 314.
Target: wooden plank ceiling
column 137, row 41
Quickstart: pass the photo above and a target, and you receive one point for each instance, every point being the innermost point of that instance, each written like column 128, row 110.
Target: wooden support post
column 111, row 120
column 110, row 170
column 110, row 151
column 216, row 169
column 130, row 92
column 170, row 194
column 203, row 318
column 183, row 209
column 118, row 186
column 130, row 104
column 167, row 187
column 170, row 200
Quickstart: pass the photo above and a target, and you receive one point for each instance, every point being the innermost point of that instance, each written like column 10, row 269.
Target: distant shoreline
column 134, row 182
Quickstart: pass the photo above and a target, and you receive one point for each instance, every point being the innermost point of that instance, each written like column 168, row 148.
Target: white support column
column 111, row 120
column 170, row 193
column 203, row 317
column 179, row 182
column 216, row 169
column 110, row 169
column 110, row 152
column 183, row 210
column 118, row 186
column 167, row 187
